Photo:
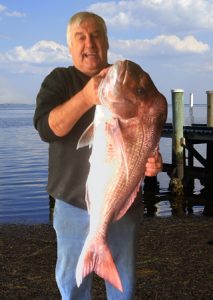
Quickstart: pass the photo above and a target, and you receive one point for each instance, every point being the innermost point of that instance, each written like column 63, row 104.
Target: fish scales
column 120, row 188
column 127, row 129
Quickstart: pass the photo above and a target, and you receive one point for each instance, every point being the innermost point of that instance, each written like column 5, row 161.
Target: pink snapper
column 126, row 131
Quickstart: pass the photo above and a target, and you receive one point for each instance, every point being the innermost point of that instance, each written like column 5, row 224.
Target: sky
column 172, row 40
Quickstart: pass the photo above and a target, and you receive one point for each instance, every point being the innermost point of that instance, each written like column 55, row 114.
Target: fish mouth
column 121, row 68
column 112, row 91
column 116, row 78
column 122, row 71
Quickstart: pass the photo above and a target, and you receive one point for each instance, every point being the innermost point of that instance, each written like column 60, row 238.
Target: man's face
column 88, row 47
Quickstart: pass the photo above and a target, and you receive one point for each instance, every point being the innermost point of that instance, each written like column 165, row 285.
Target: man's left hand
column 154, row 165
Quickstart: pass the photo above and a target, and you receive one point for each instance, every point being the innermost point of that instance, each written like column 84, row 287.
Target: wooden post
column 209, row 108
column 191, row 100
column 178, row 123
column 189, row 181
column 210, row 124
column 191, row 103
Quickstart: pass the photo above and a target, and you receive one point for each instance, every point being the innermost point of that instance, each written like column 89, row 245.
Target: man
column 65, row 107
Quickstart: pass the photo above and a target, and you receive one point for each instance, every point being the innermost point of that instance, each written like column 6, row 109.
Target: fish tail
column 98, row 258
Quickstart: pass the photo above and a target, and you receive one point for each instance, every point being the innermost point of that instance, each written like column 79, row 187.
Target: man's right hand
column 90, row 91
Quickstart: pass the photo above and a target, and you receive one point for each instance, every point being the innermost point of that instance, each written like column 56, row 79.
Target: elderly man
column 65, row 107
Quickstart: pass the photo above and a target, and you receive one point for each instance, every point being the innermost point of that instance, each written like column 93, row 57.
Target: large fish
column 127, row 129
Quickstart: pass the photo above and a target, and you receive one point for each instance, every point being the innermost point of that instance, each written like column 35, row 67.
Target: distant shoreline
column 33, row 104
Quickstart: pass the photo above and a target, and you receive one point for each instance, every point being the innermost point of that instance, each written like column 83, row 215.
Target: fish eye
column 140, row 91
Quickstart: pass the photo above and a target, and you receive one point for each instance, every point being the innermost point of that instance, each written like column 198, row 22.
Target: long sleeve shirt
column 68, row 167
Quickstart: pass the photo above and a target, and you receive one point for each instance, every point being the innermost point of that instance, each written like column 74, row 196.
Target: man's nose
column 89, row 41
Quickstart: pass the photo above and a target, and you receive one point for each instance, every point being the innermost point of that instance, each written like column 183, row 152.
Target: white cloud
column 41, row 52
column 115, row 13
column 160, row 45
column 2, row 8
column 47, row 54
column 34, row 59
column 5, row 11
column 114, row 56
column 166, row 15
column 188, row 44
column 15, row 14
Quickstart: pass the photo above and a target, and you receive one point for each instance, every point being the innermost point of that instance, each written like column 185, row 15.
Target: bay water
column 23, row 165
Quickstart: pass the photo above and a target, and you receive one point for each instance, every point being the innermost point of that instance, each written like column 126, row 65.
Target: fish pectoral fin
column 86, row 139
column 131, row 199
column 98, row 258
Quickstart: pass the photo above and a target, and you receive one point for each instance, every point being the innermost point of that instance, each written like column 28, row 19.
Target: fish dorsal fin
column 114, row 131
column 131, row 199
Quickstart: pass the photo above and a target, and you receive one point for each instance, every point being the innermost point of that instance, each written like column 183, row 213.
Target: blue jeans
column 71, row 225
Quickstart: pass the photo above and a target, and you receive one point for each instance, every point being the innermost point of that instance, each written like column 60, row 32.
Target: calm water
column 23, row 166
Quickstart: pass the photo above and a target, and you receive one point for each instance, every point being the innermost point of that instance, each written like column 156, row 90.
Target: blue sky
column 170, row 39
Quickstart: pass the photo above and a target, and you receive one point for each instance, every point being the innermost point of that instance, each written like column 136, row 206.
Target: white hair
column 80, row 17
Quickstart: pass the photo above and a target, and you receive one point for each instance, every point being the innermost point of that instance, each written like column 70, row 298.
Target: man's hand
column 64, row 116
column 90, row 91
column 154, row 164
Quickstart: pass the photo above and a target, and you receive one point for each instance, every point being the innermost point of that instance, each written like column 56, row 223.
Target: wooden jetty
column 182, row 170
column 184, row 138
column 194, row 134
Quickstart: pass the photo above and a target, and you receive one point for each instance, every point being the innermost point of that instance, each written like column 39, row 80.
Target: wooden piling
column 209, row 149
column 178, row 123
column 209, row 108
column 191, row 100
column 176, row 184
column 191, row 104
